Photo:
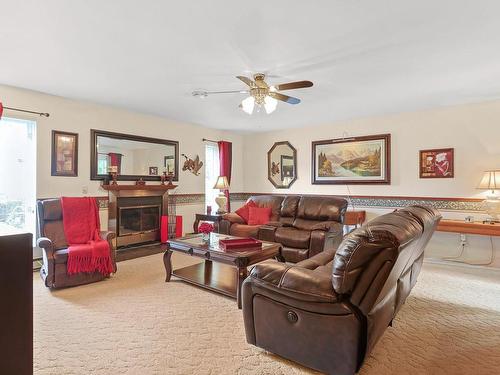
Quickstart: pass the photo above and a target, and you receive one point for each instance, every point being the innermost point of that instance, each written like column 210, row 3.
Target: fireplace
column 134, row 213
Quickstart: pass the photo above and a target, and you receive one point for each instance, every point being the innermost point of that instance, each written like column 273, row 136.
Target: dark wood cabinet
column 16, row 296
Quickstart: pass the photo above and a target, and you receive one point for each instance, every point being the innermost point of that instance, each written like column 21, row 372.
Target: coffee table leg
column 168, row 264
column 242, row 275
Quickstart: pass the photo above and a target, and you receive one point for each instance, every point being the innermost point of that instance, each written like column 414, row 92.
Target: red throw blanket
column 87, row 251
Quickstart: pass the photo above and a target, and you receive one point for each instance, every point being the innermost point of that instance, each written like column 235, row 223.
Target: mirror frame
column 269, row 177
column 94, row 133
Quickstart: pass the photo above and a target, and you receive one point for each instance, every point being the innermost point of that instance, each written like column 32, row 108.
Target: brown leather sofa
column 55, row 248
column 328, row 312
column 304, row 225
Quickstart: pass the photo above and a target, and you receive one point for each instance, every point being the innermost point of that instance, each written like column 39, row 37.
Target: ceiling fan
column 260, row 93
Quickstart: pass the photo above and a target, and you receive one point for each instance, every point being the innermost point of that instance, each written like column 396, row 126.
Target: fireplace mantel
column 139, row 187
column 139, row 196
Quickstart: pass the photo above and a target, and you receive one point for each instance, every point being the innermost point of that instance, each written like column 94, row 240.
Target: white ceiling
column 365, row 57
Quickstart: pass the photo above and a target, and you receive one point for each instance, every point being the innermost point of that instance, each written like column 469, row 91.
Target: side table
column 205, row 217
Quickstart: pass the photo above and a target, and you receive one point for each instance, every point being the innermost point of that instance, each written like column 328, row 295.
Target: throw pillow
column 243, row 211
column 259, row 215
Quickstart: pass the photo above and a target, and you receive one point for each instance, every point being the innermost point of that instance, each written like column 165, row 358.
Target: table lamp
column 222, row 184
column 491, row 181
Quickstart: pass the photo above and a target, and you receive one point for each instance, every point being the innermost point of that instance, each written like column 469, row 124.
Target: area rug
column 135, row 323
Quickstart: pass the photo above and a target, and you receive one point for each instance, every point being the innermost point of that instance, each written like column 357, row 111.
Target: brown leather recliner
column 304, row 225
column 329, row 311
column 55, row 248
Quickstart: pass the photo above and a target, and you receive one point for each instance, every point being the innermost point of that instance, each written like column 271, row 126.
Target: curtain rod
column 44, row 114
column 209, row 140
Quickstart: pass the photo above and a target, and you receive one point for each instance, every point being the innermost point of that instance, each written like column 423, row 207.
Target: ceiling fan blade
column 293, row 85
column 284, row 98
column 246, row 80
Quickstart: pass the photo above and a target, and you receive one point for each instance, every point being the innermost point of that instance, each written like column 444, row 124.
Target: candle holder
column 113, row 178
column 140, row 182
column 163, row 177
column 170, row 178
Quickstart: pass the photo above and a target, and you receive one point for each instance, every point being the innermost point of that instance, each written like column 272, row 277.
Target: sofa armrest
column 294, row 281
column 326, row 235
column 266, row 233
column 233, row 218
column 109, row 236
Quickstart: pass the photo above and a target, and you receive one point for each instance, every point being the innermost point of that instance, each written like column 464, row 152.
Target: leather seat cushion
column 291, row 237
column 244, row 230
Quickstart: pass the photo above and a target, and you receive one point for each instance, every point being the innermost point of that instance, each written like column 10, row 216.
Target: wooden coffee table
column 222, row 271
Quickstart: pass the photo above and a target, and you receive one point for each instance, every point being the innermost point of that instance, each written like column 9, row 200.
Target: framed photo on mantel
column 64, row 154
column 353, row 160
column 437, row 163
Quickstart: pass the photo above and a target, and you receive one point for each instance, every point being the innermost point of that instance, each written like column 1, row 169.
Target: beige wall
column 473, row 130
column 80, row 117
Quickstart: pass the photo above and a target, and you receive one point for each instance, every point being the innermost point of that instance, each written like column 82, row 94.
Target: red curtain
column 115, row 160
column 1, row 110
column 225, row 161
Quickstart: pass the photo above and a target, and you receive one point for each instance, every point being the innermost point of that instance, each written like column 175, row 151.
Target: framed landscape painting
column 355, row 160
column 437, row 163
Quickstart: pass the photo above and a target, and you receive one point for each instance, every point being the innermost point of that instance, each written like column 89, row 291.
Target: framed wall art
column 64, row 154
column 437, row 163
column 354, row 160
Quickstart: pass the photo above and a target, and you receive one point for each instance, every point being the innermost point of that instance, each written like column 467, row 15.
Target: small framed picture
column 153, row 171
column 64, row 154
column 437, row 163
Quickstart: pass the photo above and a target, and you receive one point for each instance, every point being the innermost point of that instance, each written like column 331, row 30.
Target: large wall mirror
column 133, row 156
column 282, row 165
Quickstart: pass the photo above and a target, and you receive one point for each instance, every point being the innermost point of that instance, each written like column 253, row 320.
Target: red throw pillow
column 243, row 211
column 259, row 215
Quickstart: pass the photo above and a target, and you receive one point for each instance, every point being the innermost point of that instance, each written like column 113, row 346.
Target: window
column 18, row 176
column 211, row 174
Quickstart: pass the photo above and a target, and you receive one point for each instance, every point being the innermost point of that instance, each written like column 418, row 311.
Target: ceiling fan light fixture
column 270, row 104
column 248, row 104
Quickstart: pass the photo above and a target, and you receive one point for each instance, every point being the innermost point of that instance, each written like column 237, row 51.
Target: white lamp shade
column 248, row 105
column 490, row 180
column 270, row 104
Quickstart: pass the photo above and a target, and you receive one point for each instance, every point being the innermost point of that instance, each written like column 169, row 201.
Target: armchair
column 55, row 248
column 328, row 312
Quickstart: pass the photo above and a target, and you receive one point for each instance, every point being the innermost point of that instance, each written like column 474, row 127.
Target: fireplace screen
column 139, row 219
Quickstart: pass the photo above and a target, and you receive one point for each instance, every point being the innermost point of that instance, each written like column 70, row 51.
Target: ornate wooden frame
column 53, row 162
column 387, row 165
column 285, row 143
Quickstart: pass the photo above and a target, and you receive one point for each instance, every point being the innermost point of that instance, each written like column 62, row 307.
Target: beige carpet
column 135, row 323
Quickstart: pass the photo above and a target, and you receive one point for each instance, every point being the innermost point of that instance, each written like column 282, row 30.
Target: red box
column 236, row 244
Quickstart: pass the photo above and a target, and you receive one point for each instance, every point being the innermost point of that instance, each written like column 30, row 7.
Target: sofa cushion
column 259, row 215
column 272, row 201
column 292, row 237
column 244, row 230
column 321, row 208
column 244, row 212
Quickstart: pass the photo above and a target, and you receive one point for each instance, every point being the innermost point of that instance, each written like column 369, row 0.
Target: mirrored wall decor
column 282, row 165
column 132, row 156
